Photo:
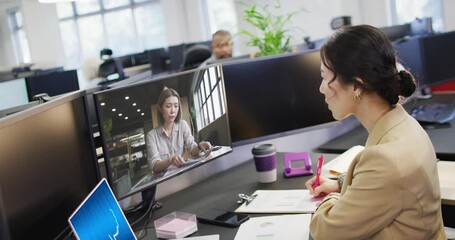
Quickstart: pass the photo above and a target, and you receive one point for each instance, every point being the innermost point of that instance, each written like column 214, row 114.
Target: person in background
column 221, row 47
column 167, row 143
column 391, row 190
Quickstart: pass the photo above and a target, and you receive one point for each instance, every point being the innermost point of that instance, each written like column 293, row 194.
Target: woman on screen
column 167, row 143
column 391, row 190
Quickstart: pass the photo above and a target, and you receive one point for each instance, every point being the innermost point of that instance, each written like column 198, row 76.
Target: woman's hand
column 204, row 146
column 325, row 187
column 177, row 161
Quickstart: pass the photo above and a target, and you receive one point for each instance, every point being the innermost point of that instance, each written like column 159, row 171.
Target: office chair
column 339, row 22
column 194, row 56
column 109, row 67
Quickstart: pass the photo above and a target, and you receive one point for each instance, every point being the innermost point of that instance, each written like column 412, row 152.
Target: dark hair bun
column 408, row 84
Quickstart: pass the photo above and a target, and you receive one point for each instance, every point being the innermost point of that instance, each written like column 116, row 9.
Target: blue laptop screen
column 100, row 216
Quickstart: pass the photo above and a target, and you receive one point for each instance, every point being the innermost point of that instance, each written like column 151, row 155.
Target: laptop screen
column 100, row 216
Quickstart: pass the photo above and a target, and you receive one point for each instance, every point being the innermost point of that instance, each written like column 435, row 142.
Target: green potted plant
column 274, row 37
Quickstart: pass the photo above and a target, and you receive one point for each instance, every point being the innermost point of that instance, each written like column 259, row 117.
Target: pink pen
column 318, row 171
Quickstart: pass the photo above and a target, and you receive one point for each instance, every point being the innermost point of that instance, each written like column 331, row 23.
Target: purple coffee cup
column 264, row 156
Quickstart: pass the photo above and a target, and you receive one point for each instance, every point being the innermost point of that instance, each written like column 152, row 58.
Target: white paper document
column 207, row 237
column 279, row 227
column 280, row 201
column 340, row 164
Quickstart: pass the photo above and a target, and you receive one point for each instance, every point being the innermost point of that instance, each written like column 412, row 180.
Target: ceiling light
column 114, row 109
column 126, row 98
column 102, row 104
column 134, row 104
column 139, row 110
column 120, row 114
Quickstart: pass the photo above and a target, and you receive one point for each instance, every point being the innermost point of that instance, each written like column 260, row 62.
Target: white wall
column 449, row 16
column 184, row 23
column 43, row 32
column 313, row 17
column 7, row 57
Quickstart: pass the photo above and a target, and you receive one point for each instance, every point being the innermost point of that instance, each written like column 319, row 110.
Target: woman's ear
column 358, row 84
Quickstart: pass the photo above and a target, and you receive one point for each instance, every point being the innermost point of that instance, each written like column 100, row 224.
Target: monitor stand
column 424, row 93
column 139, row 213
column 148, row 203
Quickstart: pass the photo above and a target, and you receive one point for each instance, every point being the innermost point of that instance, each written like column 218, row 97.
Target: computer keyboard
column 434, row 113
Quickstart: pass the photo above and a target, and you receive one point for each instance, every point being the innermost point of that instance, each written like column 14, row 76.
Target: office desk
column 130, row 71
column 446, row 171
column 221, row 191
column 443, row 138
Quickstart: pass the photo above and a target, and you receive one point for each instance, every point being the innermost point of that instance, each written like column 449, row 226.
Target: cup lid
column 263, row 149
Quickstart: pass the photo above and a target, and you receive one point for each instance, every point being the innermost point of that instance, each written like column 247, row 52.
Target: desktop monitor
column 53, row 84
column 4, row 231
column 176, row 54
column 158, row 58
column 126, row 114
column 47, row 166
column 231, row 59
column 13, row 93
column 397, row 32
column 271, row 96
column 429, row 58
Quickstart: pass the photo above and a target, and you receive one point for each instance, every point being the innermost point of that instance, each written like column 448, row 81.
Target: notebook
column 100, row 217
column 341, row 163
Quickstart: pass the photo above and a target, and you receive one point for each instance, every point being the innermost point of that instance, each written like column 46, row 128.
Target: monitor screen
column 128, row 114
column 158, row 58
column 176, row 57
column 231, row 59
column 438, row 52
column 47, row 166
column 429, row 58
column 273, row 95
column 13, row 93
column 397, row 32
column 53, row 84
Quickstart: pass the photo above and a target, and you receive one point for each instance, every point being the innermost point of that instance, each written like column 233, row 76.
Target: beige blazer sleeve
column 374, row 185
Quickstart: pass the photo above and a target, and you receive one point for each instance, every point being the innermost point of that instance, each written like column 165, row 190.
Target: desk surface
column 442, row 138
column 447, row 181
column 221, row 191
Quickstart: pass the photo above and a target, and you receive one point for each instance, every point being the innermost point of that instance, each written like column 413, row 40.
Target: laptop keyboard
column 434, row 113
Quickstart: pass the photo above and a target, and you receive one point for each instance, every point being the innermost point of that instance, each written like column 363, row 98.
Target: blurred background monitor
column 4, row 231
column 176, row 55
column 158, row 58
column 396, row 32
column 429, row 58
column 232, row 59
column 126, row 114
column 273, row 95
column 47, row 166
column 13, row 93
column 53, row 84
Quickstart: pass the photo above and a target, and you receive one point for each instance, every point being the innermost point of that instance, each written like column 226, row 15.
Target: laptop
column 100, row 217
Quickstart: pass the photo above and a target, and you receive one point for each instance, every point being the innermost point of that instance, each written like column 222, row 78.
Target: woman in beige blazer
column 391, row 190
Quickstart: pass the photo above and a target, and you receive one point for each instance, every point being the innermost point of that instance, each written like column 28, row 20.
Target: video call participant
column 167, row 143
column 221, row 47
column 391, row 190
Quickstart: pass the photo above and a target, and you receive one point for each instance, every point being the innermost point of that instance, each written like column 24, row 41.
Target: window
column 406, row 11
column 209, row 97
column 221, row 15
column 19, row 39
column 125, row 26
